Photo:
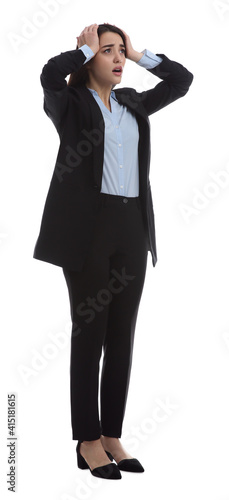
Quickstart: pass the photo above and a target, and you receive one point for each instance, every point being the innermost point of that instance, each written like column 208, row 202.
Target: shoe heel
column 108, row 471
column 81, row 462
column 109, row 456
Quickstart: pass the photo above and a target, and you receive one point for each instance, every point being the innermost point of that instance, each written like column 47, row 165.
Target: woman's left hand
column 131, row 54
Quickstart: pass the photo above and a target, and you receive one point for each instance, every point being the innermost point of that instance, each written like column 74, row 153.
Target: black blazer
column 71, row 205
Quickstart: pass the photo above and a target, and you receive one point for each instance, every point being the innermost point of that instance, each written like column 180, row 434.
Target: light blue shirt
column 120, row 166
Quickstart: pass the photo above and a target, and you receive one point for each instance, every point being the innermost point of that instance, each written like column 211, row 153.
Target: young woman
column 98, row 223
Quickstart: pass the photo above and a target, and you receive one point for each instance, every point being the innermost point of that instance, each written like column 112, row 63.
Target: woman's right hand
column 89, row 36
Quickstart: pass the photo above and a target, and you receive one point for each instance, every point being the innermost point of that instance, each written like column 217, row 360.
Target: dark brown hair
column 79, row 77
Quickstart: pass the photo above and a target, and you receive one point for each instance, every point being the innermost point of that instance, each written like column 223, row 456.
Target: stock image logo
column 31, row 27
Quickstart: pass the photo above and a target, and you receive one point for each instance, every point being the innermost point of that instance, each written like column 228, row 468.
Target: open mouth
column 117, row 71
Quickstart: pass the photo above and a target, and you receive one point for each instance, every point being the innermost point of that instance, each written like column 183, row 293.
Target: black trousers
column 104, row 301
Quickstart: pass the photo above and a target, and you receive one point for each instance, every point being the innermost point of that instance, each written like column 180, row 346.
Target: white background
column 181, row 354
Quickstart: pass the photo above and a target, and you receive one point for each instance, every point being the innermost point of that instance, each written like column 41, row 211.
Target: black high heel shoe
column 108, row 471
column 128, row 464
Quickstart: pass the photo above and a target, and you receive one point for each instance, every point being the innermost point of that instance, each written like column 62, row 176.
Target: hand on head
column 89, row 36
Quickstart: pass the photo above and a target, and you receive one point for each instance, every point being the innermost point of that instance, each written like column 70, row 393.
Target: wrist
column 94, row 48
column 136, row 56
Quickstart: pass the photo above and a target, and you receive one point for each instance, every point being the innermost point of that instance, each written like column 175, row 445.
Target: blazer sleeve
column 176, row 82
column 53, row 81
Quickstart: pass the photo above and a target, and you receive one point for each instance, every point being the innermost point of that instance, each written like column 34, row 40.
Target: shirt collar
column 94, row 92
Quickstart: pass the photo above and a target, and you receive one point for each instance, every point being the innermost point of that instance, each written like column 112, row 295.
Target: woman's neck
column 103, row 92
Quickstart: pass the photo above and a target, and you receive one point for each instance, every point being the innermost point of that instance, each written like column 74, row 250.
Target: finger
column 92, row 26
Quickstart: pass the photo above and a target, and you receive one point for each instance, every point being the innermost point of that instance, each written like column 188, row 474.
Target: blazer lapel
column 96, row 127
column 132, row 101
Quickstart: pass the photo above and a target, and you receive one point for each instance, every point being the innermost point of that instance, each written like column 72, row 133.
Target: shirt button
column 120, row 166
column 121, row 186
column 116, row 126
column 120, row 145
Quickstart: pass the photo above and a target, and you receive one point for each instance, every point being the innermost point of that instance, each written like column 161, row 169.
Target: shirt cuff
column 87, row 52
column 149, row 60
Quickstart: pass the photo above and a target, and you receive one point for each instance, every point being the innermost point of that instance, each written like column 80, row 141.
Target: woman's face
column 110, row 56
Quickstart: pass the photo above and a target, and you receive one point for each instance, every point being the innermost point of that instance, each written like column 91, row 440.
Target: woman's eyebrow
column 112, row 45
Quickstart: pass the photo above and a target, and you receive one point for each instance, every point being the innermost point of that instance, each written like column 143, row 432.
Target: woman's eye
column 122, row 51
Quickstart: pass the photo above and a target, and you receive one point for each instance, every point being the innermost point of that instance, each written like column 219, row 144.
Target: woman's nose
column 117, row 57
